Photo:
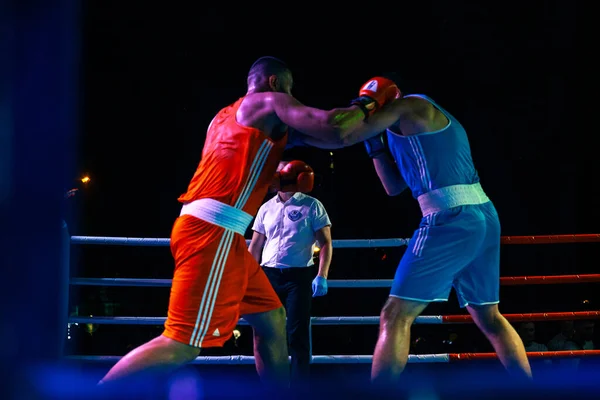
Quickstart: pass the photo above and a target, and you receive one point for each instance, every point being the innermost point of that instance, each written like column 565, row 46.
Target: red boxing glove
column 296, row 176
column 375, row 93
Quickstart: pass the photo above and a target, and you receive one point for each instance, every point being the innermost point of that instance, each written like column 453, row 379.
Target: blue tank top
column 428, row 161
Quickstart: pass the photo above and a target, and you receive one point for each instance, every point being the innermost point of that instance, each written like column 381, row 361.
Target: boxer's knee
column 400, row 313
column 269, row 324
column 487, row 318
column 179, row 353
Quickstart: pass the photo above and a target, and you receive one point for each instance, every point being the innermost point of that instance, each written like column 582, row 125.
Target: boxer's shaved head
column 267, row 66
column 262, row 71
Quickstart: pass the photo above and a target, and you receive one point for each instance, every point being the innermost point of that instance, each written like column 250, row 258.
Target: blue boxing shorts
column 457, row 247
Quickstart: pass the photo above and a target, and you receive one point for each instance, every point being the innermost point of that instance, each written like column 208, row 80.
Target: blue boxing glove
column 377, row 145
column 319, row 286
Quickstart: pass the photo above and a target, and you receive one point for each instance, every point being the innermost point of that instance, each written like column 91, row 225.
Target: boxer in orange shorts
column 216, row 280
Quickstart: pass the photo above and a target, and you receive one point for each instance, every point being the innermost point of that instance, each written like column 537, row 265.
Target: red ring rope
column 533, row 354
column 558, row 316
column 549, row 279
column 542, row 239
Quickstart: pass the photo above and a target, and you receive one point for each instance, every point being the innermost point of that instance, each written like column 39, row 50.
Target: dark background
column 154, row 75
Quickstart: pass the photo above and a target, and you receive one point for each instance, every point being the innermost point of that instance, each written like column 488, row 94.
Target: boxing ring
column 360, row 320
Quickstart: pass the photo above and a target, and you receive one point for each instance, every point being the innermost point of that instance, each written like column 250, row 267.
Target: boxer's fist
column 296, row 176
column 377, row 145
column 375, row 93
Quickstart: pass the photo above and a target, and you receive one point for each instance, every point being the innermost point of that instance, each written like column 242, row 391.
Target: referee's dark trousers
column 294, row 288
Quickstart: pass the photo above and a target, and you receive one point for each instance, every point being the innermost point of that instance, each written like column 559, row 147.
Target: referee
column 286, row 230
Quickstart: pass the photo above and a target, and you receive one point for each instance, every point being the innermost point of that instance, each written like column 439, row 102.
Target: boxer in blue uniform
column 424, row 148
column 457, row 243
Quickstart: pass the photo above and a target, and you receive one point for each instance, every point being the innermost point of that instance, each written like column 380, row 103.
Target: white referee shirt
column 290, row 229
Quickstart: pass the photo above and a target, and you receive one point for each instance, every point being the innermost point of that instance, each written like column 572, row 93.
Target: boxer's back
column 237, row 165
column 432, row 160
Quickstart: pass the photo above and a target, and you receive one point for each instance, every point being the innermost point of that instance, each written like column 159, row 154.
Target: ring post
column 65, row 276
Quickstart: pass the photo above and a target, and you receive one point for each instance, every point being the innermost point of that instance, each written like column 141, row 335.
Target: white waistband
column 219, row 214
column 451, row 196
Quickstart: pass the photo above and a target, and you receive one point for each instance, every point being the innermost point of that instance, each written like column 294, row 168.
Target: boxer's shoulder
column 267, row 100
column 255, row 111
column 255, row 100
column 258, row 110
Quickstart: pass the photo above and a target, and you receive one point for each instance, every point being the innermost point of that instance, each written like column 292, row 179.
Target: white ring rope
column 153, row 242
column 423, row 319
column 324, row 359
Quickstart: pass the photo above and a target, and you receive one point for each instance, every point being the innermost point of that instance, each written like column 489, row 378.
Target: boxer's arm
column 387, row 170
column 388, row 115
column 298, row 139
column 295, row 139
column 256, row 245
column 388, row 174
column 323, row 128
column 305, row 140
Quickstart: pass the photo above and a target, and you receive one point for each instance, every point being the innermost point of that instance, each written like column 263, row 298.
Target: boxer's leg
column 504, row 338
column 203, row 306
column 393, row 344
column 478, row 289
column 263, row 310
column 437, row 251
column 160, row 355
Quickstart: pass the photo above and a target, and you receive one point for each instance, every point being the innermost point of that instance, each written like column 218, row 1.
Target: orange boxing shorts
column 216, row 280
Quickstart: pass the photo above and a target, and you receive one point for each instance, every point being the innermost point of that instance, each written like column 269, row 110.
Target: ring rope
column 348, row 283
column 532, row 354
column 364, row 359
column 549, row 279
column 155, row 242
column 353, row 243
column 545, row 239
column 422, row 319
column 353, row 359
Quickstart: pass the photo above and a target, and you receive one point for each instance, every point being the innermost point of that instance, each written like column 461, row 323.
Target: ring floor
column 469, row 380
